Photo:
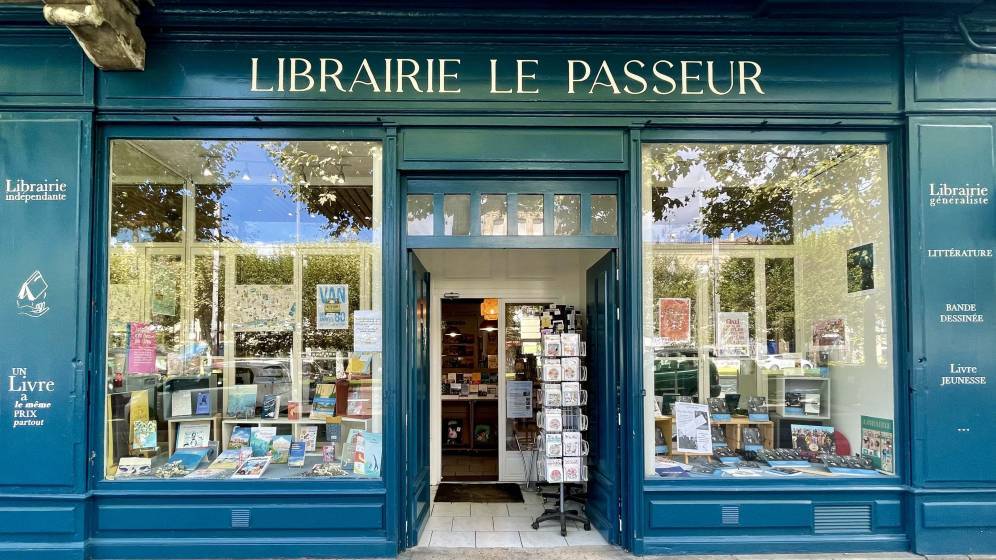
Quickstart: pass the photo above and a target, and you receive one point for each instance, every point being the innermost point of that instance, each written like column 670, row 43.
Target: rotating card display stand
column 562, row 423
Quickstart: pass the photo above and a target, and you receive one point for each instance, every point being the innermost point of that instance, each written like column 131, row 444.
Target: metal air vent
column 731, row 515
column 240, row 518
column 829, row 520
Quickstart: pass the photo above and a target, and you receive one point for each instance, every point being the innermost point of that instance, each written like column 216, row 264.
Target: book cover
column 333, row 432
column 349, row 449
column 293, row 410
column 141, row 348
column 134, row 467
column 228, row 460
column 260, row 438
column 718, row 409
column 296, row 456
column 309, row 435
column 190, row 458
column 359, row 364
column 180, row 403
column 193, row 434
column 371, row 453
column 240, row 437
column 254, row 467
column 271, row 406
column 877, row 435
column 815, row 439
column 145, row 434
column 482, row 433
column 280, row 448
column 323, row 406
column 202, row 402
column 757, row 409
column 241, row 401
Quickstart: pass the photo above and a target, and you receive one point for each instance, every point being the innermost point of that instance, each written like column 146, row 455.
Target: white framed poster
column 332, row 306
column 367, row 332
column 733, row 337
column 693, row 428
column 519, row 399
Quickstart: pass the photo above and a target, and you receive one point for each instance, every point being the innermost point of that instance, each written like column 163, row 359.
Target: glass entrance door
column 519, row 382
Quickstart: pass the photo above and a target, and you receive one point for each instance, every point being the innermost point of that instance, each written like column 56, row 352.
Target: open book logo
column 31, row 296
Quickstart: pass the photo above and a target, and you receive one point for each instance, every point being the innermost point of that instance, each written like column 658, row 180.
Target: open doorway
column 488, row 311
column 469, row 389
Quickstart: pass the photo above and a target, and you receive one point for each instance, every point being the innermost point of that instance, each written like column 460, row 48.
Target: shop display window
column 767, row 311
column 244, row 294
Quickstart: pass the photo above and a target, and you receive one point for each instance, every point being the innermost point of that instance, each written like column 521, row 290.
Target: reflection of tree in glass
column 780, row 300
column 318, row 181
column 761, row 184
column 736, row 288
column 155, row 206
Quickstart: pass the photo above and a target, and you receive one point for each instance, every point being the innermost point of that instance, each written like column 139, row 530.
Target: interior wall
column 524, row 275
column 861, row 383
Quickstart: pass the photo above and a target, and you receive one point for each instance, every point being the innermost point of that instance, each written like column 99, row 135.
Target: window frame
column 889, row 137
column 98, row 280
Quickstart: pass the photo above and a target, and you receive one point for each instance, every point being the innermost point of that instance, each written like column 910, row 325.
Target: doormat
column 480, row 493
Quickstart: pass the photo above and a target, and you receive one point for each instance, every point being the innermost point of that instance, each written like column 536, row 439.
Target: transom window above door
column 510, row 212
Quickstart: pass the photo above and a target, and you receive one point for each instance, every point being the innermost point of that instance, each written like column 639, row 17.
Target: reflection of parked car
column 676, row 374
column 784, row 361
column 271, row 377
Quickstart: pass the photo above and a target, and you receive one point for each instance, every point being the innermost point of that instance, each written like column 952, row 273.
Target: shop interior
column 486, row 310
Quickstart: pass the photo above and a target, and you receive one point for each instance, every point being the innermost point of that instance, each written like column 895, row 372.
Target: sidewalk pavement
column 615, row 553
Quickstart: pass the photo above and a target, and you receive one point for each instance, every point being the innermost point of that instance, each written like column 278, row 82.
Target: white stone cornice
column 106, row 30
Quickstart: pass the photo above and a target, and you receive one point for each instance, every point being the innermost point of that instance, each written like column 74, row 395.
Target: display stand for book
column 566, row 408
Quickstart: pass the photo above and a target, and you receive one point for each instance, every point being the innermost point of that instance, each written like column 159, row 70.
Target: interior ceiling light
column 489, row 309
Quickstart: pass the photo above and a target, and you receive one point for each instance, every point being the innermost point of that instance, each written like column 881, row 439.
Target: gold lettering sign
column 441, row 76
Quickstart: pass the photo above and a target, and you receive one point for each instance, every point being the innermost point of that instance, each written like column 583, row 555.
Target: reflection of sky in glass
column 683, row 224
column 420, row 217
column 259, row 206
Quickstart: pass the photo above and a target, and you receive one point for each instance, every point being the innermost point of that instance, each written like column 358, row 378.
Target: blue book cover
column 241, row 401
column 280, row 448
column 190, row 457
column 260, row 439
column 372, row 453
column 203, row 403
column 296, row 457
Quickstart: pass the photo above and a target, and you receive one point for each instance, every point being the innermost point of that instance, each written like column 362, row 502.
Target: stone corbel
column 106, row 30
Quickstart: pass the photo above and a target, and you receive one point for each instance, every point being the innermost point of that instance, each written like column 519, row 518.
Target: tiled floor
column 473, row 525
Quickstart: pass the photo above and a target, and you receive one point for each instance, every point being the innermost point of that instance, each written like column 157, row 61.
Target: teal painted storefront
column 905, row 80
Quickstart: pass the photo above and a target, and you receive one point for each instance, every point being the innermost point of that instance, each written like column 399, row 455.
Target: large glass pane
column 420, row 214
column 494, row 214
column 767, row 318
column 530, row 214
column 522, row 380
column 603, row 214
column 456, row 214
column 238, row 273
column 567, row 214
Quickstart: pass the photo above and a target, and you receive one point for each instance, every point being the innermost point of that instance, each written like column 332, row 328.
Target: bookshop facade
column 217, row 323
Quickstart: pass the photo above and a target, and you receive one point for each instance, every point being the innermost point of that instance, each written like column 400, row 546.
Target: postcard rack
column 562, row 448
